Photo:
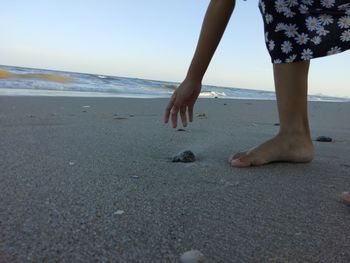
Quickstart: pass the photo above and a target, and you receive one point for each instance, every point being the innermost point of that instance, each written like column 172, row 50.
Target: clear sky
column 152, row 39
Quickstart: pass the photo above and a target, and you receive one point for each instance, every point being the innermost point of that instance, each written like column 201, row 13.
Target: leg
column 293, row 142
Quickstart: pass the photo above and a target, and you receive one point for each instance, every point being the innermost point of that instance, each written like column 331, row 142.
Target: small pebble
column 201, row 115
column 324, row 139
column 184, row 157
column 119, row 212
column 135, row 177
column 225, row 104
column 181, row 129
column 192, row 256
column 345, row 196
column 71, row 163
column 277, row 124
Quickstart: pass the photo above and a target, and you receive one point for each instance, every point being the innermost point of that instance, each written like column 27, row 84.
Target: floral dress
column 297, row 30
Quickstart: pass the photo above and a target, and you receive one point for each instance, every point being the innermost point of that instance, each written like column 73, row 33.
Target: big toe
column 236, row 156
column 240, row 162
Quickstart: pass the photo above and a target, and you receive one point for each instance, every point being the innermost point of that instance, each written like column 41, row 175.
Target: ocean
column 34, row 82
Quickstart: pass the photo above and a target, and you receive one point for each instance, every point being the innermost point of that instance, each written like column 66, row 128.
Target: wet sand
column 91, row 179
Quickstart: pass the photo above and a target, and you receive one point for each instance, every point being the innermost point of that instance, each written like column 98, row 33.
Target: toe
column 236, row 156
column 241, row 162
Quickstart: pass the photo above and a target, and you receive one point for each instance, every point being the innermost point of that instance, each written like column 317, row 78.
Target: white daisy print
column 312, row 23
column 344, row 6
column 280, row 5
column 280, row 27
column 268, row 18
column 334, row 50
column 302, row 38
column 327, row 3
column 291, row 58
column 307, row 2
column 344, row 22
column 262, row 5
column 292, row 2
column 288, row 12
column 291, row 30
column 321, row 31
column 345, row 36
column 303, row 9
column 307, row 54
column 298, row 30
column 286, row 47
column 326, row 19
column 316, row 40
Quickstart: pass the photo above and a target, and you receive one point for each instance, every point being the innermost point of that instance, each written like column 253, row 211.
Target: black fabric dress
column 297, row 30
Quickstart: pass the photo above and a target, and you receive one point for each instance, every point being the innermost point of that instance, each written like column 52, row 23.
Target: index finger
column 168, row 109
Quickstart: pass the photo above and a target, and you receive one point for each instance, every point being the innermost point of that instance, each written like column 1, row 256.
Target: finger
column 168, row 109
column 190, row 112
column 183, row 115
column 174, row 111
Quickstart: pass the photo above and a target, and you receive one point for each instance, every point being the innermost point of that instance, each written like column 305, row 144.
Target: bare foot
column 345, row 196
column 283, row 148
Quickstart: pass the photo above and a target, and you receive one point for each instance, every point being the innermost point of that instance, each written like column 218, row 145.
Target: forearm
column 215, row 21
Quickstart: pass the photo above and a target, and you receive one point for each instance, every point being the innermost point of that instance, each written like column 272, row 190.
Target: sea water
column 93, row 85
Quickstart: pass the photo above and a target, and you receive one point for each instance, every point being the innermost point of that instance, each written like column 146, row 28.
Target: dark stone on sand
column 277, row 124
column 184, row 157
column 324, row 139
column 120, row 118
column 181, row 129
column 225, row 104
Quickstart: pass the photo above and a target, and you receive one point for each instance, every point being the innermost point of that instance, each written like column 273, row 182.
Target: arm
column 184, row 97
column 214, row 24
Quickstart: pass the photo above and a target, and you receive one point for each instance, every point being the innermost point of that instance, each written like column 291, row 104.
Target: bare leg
column 293, row 142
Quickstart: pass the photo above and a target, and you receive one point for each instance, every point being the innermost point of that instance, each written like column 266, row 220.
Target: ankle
column 295, row 133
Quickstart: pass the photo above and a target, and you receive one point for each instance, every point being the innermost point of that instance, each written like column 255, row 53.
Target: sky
column 152, row 39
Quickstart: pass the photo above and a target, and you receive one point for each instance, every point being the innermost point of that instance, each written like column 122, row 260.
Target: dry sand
column 83, row 184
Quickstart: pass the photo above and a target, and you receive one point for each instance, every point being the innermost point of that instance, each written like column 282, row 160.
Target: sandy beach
column 91, row 180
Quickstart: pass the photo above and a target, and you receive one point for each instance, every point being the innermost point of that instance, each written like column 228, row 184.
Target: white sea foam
column 108, row 86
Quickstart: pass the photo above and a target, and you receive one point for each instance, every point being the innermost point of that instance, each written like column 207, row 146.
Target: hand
column 183, row 98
